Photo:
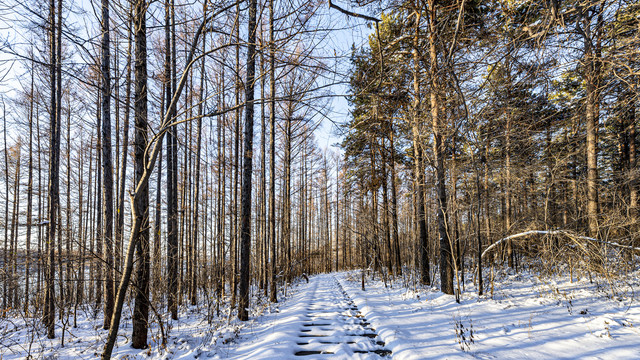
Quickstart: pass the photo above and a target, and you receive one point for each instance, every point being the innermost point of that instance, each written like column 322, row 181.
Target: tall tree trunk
column 156, row 268
column 99, row 278
column 394, row 206
column 591, row 105
column 141, row 203
column 263, row 238
column 245, row 218
column 69, row 225
column 286, row 195
column 272, row 165
column 421, row 223
column 507, row 192
column 196, row 198
column 81, row 226
column 236, row 168
column 27, row 265
column 125, row 152
column 5, row 253
column 446, row 268
column 385, row 208
column 478, row 237
column 172, row 168
column 107, row 167
column 633, row 181
column 337, row 229
column 14, row 226
column 54, row 181
column 59, row 124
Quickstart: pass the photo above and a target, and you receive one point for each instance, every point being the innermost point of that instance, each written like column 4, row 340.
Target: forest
column 214, row 163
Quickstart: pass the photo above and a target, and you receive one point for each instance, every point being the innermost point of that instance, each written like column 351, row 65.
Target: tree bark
column 172, row 165
column 125, row 152
column 141, row 201
column 272, row 165
column 54, row 180
column 245, row 217
column 591, row 107
column 107, row 167
column 422, row 237
column 446, row 268
column 29, row 199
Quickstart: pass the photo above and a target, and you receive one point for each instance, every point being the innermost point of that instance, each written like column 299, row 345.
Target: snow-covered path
column 334, row 325
column 528, row 318
column 320, row 321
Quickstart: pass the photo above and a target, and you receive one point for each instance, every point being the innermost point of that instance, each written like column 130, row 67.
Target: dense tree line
column 501, row 118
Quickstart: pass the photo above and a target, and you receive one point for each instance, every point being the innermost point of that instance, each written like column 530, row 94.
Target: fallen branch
column 556, row 232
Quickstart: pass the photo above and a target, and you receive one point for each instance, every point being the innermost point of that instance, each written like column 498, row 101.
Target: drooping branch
column 556, row 232
column 351, row 13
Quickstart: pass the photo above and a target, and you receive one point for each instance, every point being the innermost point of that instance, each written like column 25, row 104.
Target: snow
column 528, row 317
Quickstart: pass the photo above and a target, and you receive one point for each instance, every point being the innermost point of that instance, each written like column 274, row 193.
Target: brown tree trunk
column 394, row 208
column 54, row 180
column 107, row 167
column 507, row 191
column 172, row 165
column 272, row 164
column 141, row 202
column 385, row 209
column 418, row 172
column 125, row 152
column 591, row 105
column 245, row 218
column 633, row 181
column 446, row 268
column 5, row 252
column 27, row 265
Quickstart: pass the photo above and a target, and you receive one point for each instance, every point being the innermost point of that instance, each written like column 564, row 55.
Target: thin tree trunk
column 591, row 115
column 422, row 237
column 29, row 200
column 5, row 253
column 125, row 152
column 633, row 181
column 14, row 225
column 81, row 234
column 385, row 209
column 394, row 207
column 97, row 258
column 58, row 131
column 263, row 238
column 107, row 167
column 478, row 238
column 157, row 226
column 196, row 199
column 54, row 184
column 272, row 167
column 172, row 195
column 507, row 192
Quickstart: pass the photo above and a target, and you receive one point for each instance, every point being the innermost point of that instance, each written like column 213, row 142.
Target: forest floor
column 526, row 317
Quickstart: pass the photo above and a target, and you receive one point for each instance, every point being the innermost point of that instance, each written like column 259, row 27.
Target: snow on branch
column 556, row 232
